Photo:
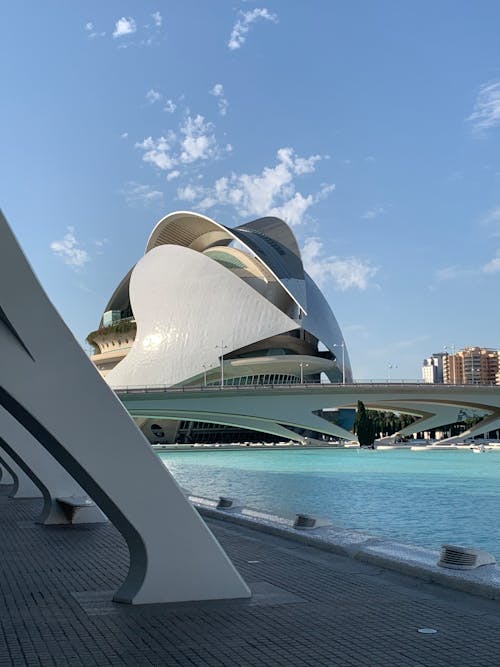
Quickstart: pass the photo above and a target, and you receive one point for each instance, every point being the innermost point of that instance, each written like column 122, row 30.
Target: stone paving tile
column 329, row 610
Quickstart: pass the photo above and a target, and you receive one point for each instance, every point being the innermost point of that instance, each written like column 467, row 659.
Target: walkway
column 309, row 608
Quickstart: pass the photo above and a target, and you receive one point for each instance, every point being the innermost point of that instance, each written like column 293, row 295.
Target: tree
column 364, row 427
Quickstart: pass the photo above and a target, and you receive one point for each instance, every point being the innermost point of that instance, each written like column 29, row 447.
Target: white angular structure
column 5, row 477
column 209, row 305
column 23, row 485
column 45, row 475
column 50, row 389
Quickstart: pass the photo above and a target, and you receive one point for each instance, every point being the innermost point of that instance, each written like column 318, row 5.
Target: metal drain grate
column 464, row 558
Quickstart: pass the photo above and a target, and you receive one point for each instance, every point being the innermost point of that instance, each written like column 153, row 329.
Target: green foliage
column 365, row 427
column 387, row 423
column 372, row 424
column 123, row 326
column 471, row 421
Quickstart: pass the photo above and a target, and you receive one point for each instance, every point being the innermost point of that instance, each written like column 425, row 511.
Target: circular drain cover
column 427, row 631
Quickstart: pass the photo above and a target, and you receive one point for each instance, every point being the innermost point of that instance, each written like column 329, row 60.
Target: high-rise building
column 433, row 368
column 471, row 365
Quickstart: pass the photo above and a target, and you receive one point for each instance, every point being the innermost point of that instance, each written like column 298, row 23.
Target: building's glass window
column 263, row 379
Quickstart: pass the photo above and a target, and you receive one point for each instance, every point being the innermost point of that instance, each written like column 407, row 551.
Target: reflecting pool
column 425, row 497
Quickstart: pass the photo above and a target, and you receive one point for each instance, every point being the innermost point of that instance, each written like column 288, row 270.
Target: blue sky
column 373, row 128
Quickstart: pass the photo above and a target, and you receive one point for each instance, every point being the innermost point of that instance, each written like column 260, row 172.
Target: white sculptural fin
column 53, row 391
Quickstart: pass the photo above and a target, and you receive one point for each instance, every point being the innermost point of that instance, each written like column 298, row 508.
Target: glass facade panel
column 263, row 379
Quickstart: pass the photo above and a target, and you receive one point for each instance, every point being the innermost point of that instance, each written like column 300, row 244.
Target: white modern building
column 433, row 368
column 208, row 304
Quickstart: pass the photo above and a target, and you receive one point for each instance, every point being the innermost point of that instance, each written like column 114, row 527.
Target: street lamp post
column 204, row 374
column 342, row 345
column 452, row 348
column 221, row 347
column 389, row 367
column 302, row 366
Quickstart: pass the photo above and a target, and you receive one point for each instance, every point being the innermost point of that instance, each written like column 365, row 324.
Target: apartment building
column 471, row 365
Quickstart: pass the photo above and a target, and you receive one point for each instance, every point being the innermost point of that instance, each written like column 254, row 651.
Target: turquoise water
column 428, row 498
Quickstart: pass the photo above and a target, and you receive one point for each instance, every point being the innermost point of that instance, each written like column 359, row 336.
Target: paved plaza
column 309, row 607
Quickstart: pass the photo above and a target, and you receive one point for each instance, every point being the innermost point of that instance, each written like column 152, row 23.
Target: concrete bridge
column 273, row 408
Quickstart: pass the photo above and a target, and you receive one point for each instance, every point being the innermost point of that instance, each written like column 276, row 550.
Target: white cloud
column 369, row 158
column 152, row 33
column 169, row 107
column 157, row 18
column 135, row 193
column 199, row 141
column 84, row 288
column 157, row 152
column 242, row 26
column 493, row 266
column 70, row 251
column 373, row 212
column 124, row 135
column 218, row 92
column 492, row 220
column 449, row 273
column 188, row 193
column 100, row 244
column 153, row 96
column 346, row 273
column 486, row 113
column 194, row 141
column 272, row 192
column 455, row 272
column 493, row 215
column 357, row 329
column 124, row 26
column 92, row 32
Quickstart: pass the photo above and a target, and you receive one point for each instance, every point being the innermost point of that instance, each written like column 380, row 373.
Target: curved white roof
column 271, row 267
column 186, row 307
column 199, row 232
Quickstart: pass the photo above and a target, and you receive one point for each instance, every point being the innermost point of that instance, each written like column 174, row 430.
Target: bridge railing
column 131, row 389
